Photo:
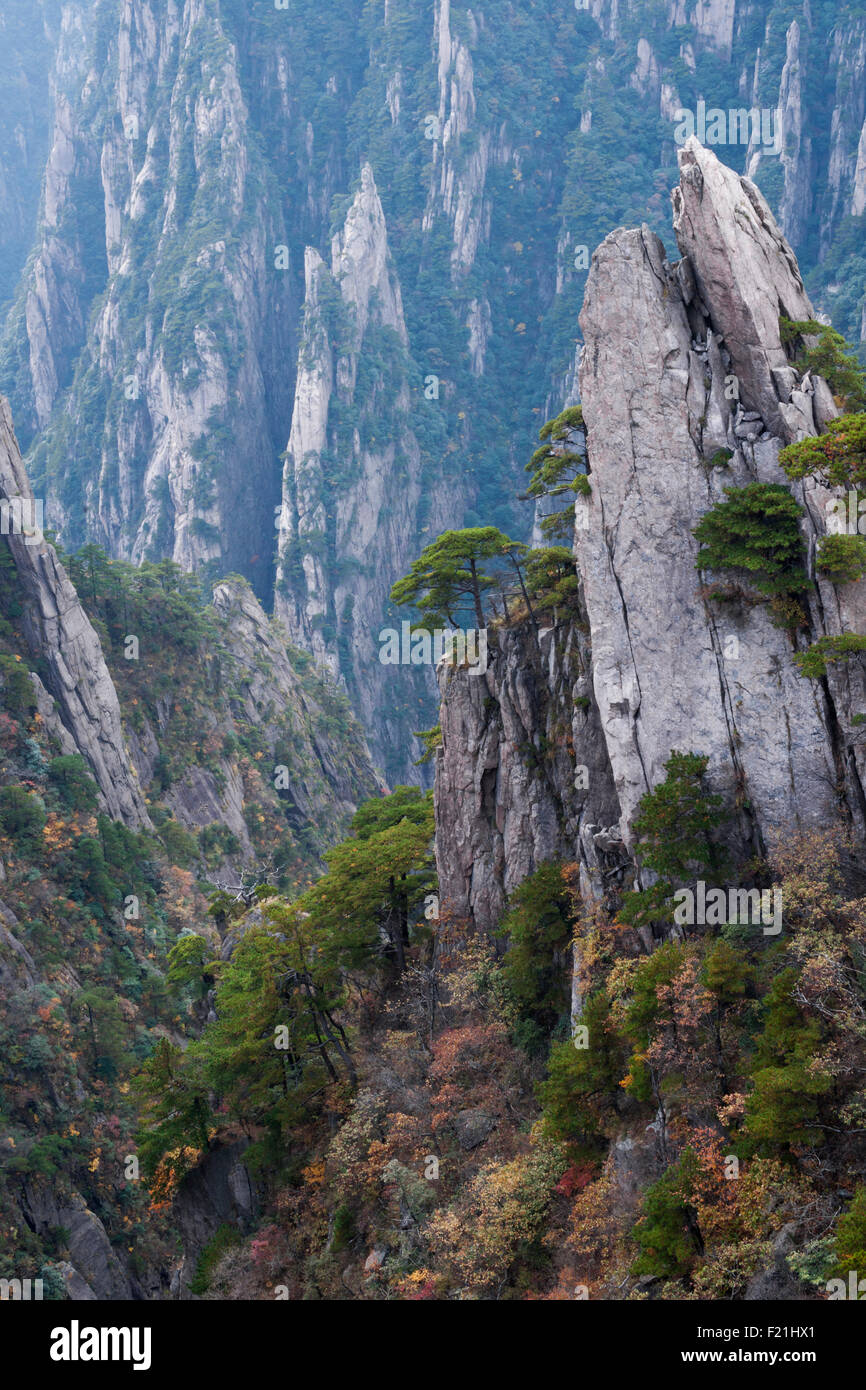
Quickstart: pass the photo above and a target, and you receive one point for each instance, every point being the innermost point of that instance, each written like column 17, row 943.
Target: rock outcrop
column 93, row 1270
column 312, row 766
column 522, row 774
column 660, row 345
column 746, row 276
column 686, row 389
column 218, row 1192
column 61, row 636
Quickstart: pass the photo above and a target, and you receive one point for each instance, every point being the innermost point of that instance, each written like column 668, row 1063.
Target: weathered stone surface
column 328, row 777
column 665, row 665
column 635, row 1161
column 59, row 631
column 196, row 800
column 336, row 612
column 77, row 1288
column 672, row 669
column 91, row 1255
column 218, row 1192
column 375, row 1260
column 509, row 793
column 473, row 1126
column 174, row 87
column 747, row 275
column 458, row 187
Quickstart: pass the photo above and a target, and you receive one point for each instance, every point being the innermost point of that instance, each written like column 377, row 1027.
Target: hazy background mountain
column 164, row 167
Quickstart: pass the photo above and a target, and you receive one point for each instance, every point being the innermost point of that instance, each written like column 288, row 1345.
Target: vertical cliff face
column 61, row 637
column 686, row 389
column 153, row 323
column 847, row 168
column 817, row 190
column 200, row 146
column 659, row 347
column 522, row 774
column 790, row 405
column 192, row 151
column 329, row 773
column 28, row 34
column 354, row 477
column 458, row 188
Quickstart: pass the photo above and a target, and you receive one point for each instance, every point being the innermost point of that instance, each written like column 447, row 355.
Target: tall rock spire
column 351, row 520
column 686, row 391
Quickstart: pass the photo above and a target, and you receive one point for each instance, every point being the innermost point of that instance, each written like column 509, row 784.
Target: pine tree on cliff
column 448, row 577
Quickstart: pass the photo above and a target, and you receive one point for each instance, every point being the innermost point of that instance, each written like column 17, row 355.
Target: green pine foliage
column 73, row 781
column 837, row 458
column 430, row 740
column 675, row 822
column 448, row 581
column 675, row 827
column 579, row 1081
column 666, row 1233
column 851, row 1237
column 782, row 1108
column 644, row 1010
column 278, row 1043
column 830, row 356
column 551, row 580
column 225, row 1239
column 558, row 471
column 16, row 687
column 726, row 973
column 842, row 558
column 538, row 929
column 22, row 817
column 813, row 662
column 756, row 531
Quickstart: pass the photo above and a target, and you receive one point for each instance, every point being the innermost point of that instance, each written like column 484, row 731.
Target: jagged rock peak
column 360, row 260
column 660, row 663
column 747, row 275
column 669, row 664
column 341, row 547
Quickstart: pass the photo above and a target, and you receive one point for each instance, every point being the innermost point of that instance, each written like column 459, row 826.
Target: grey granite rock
column 60, row 633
